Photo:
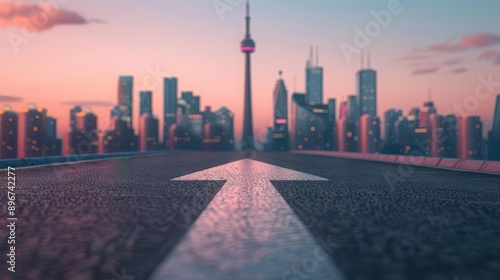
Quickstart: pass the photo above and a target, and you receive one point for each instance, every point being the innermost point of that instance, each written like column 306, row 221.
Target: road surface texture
column 126, row 218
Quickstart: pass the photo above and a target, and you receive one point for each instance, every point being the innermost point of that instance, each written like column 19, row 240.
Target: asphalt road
column 122, row 217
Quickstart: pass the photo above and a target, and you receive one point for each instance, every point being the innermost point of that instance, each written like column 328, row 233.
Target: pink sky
column 84, row 49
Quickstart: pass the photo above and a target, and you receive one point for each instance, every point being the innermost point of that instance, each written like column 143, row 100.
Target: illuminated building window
column 35, row 128
column 301, row 147
column 349, row 134
column 313, row 129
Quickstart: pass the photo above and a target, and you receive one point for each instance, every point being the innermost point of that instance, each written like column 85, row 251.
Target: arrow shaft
column 248, row 231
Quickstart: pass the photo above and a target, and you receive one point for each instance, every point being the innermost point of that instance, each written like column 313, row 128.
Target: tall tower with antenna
column 247, row 47
column 314, row 79
column 366, row 83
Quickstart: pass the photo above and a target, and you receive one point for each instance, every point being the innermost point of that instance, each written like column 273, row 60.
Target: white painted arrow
column 248, row 231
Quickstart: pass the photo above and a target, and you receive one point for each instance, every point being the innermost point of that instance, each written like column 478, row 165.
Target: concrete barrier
column 491, row 167
column 431, row 161
column 25, row 162
column 402, row 159
column 472, row 165
column 448, row 162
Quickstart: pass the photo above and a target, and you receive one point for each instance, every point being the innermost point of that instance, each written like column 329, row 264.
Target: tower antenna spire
column 362, row 59
column 430, row 94
column 369, row 59
column 311, row 55
column 248, row 19
column 317, row 55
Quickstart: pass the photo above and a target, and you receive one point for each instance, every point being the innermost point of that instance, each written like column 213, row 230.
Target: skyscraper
column 8, row 133
column 192, row 102
column 309, row 124
column 225, row 118
column 450, row 137
column 169, row 107
column 344, row 110
column 125, row 93
column 314, row 81
column 247, row 47
column 146, row 103
column 366, row 82
column 369, row 134
column 494, row 134
column 391, row 117
column 53, row 145
column 84, row 138
column 281, row 139
column 120, row 137
column 435, row 132
column 427, row 110
column 72, row 116
column 32, row 123
column 148, row 135
column 331, row 136
column 470, row 138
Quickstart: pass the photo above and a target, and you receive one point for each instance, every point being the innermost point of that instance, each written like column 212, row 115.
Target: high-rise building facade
column 32, row 128
column 72, row 116
column 366, row 82
column 450, row 136
column 225, row 118
column 53, row 145
column 494, row 134
column 192, row 102
column 369, row 134
column 280, row 141
column 146, row 102
column 125, row 98
column 391, row 117
column 148, row 135
column 8, row 133
column 435, row 135
column 470, row 138
column 170, row 92
column 309, row 125
column 331, row 136
column 84, row 138
column 314, row 82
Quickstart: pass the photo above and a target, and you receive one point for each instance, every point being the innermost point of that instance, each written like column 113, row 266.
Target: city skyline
column 223, row 90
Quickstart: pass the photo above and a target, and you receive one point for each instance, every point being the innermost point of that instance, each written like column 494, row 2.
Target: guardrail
column 492, row 167
column 26, row 162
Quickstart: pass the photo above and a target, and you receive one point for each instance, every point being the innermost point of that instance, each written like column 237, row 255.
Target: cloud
column 428, row 70
column 413, row 57
column 8, row 98
column 37, row 17
column 477, row 40
column 452, row 61
column 492, row 56
column 459, row 70
column 89, row 103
